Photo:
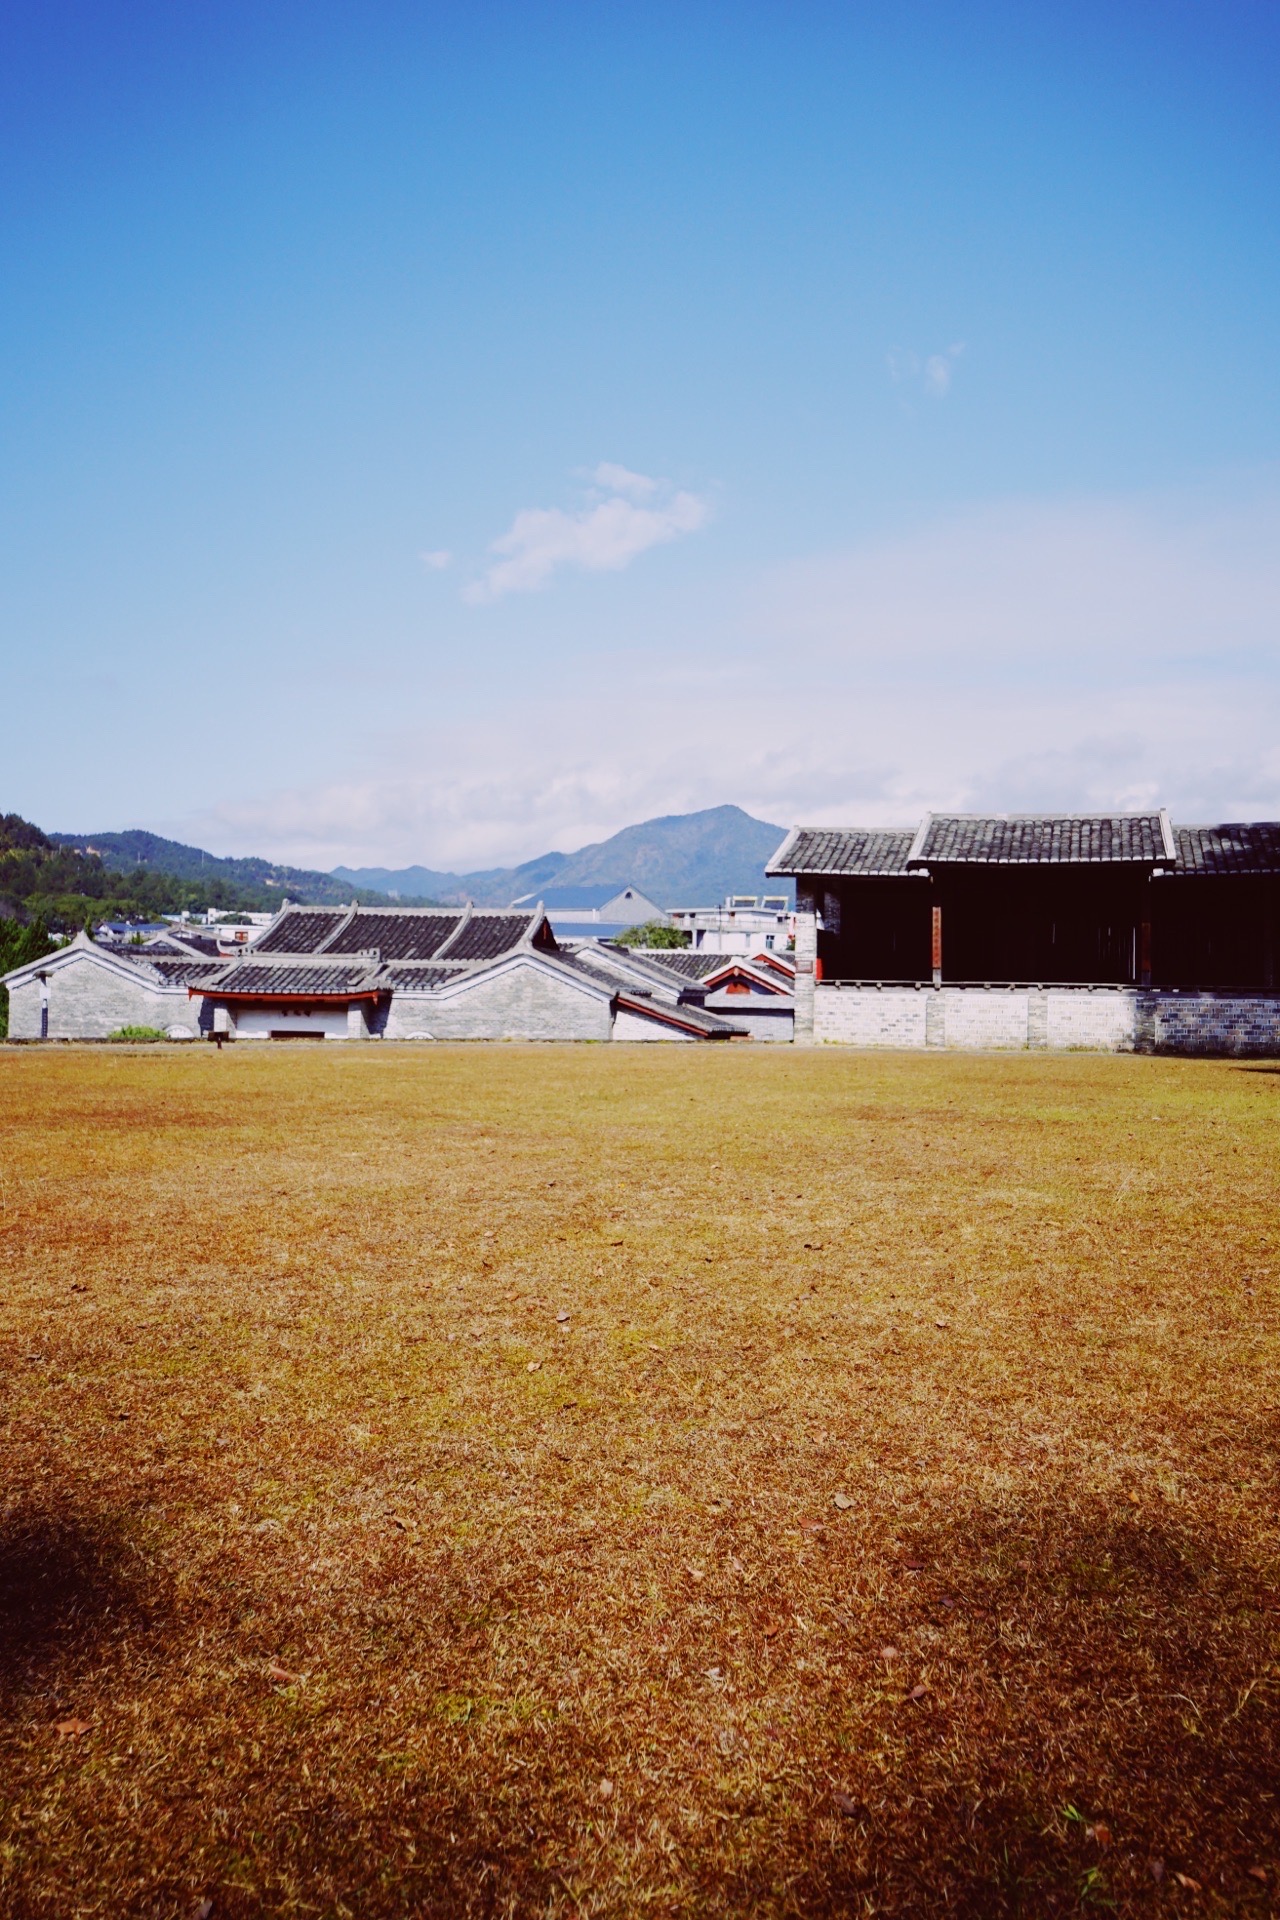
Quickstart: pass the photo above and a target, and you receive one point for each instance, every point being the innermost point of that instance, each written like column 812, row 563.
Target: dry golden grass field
column 552, row 1481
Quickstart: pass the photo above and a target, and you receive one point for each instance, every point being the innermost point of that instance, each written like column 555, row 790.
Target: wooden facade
column 1122, row 900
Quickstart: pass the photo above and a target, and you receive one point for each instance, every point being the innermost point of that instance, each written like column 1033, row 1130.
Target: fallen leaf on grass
column 534, row 1366
column 563, row 1315
column 202, row 1910
column 1256, row 1873
column 283, row 1677
column 913, row 1566
column 889, row 1655
column 1099, row 1833
column 942, row 1323
column 842, row 1501
column 771, row 1630
column 1156, row 1869
column 847, row 1805
column 810, row 1526
column 1185, row 1880
column 606, row 1789
column 918, row 1693
column 71, row 1726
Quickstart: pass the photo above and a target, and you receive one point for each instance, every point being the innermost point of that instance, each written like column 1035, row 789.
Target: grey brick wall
column 88, row 1001
column 1096, row 1019
column 1209, row 1023
column 521, row 1003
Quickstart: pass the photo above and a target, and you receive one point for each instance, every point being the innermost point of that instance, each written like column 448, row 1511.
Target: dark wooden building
column 1121, row 899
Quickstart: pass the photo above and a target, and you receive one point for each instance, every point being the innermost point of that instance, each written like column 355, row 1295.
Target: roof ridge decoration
column 915, row 852
column 526, row 938
column 775, row 865
column 341, row 927
column 465, row 917
column 1166, row 834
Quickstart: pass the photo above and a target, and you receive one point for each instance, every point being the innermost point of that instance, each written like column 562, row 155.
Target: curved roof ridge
column 465, row 917
column 341, row 927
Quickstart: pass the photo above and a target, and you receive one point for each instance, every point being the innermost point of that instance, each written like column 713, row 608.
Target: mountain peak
column 678, row 859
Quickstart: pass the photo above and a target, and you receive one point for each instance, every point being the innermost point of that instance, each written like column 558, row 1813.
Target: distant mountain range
column 136, row 851
column 680, row 860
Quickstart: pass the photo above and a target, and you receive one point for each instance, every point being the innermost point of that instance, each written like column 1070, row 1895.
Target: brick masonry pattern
column 1094, row 1019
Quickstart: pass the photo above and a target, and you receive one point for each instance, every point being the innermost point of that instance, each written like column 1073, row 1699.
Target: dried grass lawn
column 637, row 1482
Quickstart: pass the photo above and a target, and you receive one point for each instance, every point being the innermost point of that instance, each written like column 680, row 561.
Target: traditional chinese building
column 1114, row 930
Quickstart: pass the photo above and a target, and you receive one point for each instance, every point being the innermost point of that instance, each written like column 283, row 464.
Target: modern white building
column 747, row 923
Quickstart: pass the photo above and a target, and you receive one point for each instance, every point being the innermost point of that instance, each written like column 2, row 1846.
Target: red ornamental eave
column 282, row 999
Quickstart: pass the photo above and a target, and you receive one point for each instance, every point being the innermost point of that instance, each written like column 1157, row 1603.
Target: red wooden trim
column 280, row 999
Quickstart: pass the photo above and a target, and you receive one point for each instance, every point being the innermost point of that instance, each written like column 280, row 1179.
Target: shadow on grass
column 67, row 1590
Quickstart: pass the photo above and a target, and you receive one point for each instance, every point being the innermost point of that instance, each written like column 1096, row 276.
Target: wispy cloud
column 617, row 479
column 1087, row 653
column 604, row 535
column 932, row 375
column 437, row 562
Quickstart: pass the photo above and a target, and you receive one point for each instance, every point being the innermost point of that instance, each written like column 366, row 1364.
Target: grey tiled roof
column 301, row 930
column 688, row 964
column 404, row 934
column 1029, row 839
column 1250, row 847
column 487, row 935
column 170, row 946
column 1038, row 839
column 639, row 962
column 710, row 1025
column 313, row 976
column 184, row 973
column 419, row 977
column 842, row 850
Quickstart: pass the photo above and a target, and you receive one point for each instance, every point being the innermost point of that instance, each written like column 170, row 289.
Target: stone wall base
column 1059, row 1019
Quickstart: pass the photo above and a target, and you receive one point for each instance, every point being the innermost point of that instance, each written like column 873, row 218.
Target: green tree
column 654, row 933
column 19, row 945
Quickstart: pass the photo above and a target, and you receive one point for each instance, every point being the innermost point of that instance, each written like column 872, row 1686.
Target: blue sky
column 438, row 433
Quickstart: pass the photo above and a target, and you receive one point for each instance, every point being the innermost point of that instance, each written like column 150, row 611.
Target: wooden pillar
column 936, row 946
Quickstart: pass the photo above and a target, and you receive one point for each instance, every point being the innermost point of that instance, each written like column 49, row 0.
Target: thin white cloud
column 603, row 536
column 437, row 562
column 615, row 479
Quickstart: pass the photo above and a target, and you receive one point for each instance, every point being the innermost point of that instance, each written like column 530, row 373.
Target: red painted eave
column 281, row 999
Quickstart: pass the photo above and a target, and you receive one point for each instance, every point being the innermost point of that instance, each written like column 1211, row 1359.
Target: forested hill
column 66, row 880
column 137, row 852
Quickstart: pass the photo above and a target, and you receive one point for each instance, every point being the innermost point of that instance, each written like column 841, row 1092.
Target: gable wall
column 521, row 1003
column 88, row 1001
